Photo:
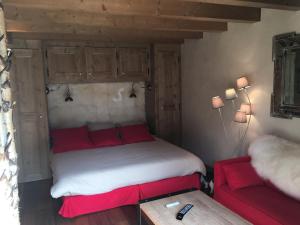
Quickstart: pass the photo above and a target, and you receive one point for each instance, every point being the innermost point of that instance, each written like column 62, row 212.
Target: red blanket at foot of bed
column 84, row 204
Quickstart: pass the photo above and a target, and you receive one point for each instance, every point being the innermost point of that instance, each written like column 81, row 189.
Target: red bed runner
column 130, row 195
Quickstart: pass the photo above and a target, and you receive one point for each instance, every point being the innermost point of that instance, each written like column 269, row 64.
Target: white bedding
column 97, row 171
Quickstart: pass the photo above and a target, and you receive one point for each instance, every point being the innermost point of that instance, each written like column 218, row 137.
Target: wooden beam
column 210, row 12
column 83, row 37
column 116, row 21
column 162, row 8
column 101, row 34
column 272, row 4
column 19, row 26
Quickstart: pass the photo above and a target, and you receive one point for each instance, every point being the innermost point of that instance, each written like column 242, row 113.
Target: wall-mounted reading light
column 132, row 92
column 68, row 95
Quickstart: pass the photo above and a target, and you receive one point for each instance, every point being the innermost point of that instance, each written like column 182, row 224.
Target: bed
column 93, row 180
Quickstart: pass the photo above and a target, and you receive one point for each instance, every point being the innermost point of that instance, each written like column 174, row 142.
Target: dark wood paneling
column 66, row 65
column 133, row 64
column 168, row 92
column 163, row 100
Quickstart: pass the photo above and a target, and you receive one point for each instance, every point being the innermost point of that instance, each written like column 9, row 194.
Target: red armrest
column 219, row 176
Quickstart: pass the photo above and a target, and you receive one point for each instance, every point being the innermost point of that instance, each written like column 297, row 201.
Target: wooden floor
column 38, row 208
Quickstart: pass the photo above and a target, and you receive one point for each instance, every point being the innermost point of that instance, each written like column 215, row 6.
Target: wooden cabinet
column 133, row 63
column 163, row 102
column 101, row 64
column 30, row 115
column 65, row 65
column 84, row 64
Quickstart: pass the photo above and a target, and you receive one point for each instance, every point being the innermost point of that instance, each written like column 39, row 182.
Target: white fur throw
column 277, row 160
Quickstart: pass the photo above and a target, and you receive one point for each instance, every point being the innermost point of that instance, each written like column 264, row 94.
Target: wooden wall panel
column 66, row 64
column 30, row 115
column 133, row 63
column 101, row 64
column 168, row 92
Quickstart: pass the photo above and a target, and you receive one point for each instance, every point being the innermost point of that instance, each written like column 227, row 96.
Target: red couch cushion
column 241, row 175
column 135, row 133
column 70, row 139
column 219, row 175
column 107, row 137
column 261, row 205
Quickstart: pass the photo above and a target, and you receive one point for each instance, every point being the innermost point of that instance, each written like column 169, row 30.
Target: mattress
column 96, row 171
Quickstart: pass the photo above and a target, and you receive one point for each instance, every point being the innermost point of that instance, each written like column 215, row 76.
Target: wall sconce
column 68, row 95
column 132, row 92
column 217, row 103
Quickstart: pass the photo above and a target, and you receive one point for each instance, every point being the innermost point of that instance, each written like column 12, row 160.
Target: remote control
column 183, row 211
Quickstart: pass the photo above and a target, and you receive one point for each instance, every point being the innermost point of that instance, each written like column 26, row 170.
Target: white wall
column 105, row 102
column 212, row 64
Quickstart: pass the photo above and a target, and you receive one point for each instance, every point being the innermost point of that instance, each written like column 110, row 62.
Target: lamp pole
column 243, row 137
column 223, row 124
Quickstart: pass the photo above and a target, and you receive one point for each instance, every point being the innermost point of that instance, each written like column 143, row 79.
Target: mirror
column 286, row 89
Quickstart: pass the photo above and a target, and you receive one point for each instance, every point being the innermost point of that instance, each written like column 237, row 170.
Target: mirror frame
column 281, row 43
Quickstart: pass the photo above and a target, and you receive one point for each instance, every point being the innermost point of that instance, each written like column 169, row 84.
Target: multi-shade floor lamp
column 243, row 114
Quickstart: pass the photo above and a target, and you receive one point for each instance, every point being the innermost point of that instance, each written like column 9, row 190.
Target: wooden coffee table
column 206, row 211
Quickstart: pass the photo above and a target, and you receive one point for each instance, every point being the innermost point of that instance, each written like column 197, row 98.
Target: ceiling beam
column 102, row 34
column 272, row 4
column 35, row 16
column 209, row 12
column 84, row 37
column 162, row 8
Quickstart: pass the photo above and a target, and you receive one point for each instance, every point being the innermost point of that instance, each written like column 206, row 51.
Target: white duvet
column 97, row 171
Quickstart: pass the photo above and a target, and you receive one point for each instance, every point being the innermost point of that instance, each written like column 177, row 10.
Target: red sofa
column 261, row 204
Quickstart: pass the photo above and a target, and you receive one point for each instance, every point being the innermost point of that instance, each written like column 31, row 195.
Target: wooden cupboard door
column 101, row 64
column 30, row 115
column 168, row 92
column 133, row 63
column 65, row 65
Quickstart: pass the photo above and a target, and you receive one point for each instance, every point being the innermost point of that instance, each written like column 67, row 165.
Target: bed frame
column 131, row 195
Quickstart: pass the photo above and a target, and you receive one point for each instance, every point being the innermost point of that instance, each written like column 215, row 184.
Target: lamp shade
column 242, row 83
column 230, row 94
column 246, row 108
column 240, row 117
column 217, row 102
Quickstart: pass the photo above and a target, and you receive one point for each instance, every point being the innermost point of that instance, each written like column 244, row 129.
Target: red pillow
column 240, row 175
column 70, row 139
column 106, row 137
column 135, row 133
